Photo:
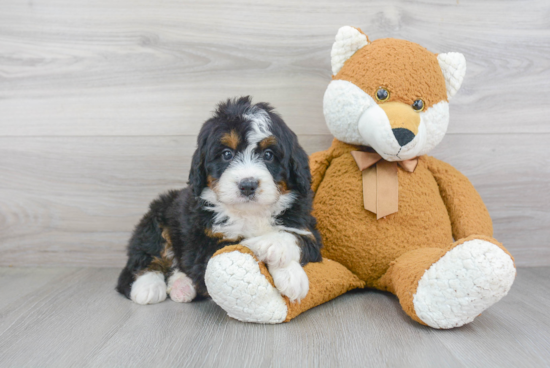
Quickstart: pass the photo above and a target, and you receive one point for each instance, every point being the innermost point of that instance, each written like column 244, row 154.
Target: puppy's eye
column 418, row 105
column 268, row 155
column 227, row 155
column 382, row 94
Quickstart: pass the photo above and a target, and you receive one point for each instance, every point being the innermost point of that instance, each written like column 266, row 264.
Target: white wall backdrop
column 100, row 102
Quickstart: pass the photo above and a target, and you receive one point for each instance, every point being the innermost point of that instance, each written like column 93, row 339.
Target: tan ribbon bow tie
column 380, row 185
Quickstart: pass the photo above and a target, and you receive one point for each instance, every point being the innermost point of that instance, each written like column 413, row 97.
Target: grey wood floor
column 61, row 317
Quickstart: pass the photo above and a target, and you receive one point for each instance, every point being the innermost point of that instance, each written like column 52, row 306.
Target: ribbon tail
column 387, row 187
column 369, row 189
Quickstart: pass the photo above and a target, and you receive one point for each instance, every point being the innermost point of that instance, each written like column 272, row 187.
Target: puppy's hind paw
column 149, row 288
column 291, row 281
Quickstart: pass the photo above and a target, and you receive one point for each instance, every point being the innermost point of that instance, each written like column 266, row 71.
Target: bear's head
column 389, row 94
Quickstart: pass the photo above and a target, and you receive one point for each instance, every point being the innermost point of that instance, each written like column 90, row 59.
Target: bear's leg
column 446, row 288
column 243, row 287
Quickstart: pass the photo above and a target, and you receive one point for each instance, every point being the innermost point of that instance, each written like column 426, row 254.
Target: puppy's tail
column 148, row 250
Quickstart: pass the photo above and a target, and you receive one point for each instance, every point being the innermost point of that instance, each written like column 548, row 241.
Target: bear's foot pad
column 463, row 283
column 237, row 285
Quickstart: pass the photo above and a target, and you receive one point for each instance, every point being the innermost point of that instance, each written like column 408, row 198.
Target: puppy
column 249, row 184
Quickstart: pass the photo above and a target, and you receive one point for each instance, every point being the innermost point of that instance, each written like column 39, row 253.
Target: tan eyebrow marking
column 269, row 141
column 231, row 139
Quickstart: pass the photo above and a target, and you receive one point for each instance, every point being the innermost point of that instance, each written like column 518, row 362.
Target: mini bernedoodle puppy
column 249, row 184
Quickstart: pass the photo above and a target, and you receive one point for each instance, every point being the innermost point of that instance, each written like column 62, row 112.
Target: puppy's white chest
column 245, row 226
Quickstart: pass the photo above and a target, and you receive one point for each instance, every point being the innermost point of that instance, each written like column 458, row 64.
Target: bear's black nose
column 403, row 136
column 248, row 186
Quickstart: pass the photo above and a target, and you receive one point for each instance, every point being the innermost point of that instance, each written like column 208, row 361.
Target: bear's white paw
column 149, row 288
column 463, row 283
column 180, row 287
column 276, row 249
column 291, row 281
column 235, row 283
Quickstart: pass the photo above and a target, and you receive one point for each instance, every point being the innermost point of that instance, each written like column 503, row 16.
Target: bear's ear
column 453, row 66
column 348, row 40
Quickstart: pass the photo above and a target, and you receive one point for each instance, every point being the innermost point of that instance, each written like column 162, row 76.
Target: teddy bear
column 391, row 217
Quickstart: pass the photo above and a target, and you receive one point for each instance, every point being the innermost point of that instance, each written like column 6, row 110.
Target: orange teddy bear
column 391, row 217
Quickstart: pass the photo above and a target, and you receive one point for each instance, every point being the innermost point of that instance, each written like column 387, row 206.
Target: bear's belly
column 355, row 238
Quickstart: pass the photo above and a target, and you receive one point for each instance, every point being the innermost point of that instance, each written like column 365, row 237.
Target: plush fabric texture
column 436, row 202
column 468, row 279
column 453, row 65
column 355, row 238
column 348, row 41
column 238, row 283
column 241, row 285
column 327, row 280
column 413, row 72
column 437, row 253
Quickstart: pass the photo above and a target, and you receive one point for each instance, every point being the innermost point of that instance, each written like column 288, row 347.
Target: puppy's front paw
column 276, row 249
column 291, row 281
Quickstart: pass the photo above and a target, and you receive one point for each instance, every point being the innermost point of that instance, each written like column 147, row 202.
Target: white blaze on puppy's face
column 248, row 165
column 239, row 214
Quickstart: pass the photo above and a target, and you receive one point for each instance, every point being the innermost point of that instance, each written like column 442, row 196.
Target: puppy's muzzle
column 248, row 187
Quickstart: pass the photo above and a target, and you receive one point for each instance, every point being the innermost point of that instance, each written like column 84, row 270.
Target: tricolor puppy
column 250, row 184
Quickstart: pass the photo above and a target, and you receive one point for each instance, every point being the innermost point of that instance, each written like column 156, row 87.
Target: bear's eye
column 227, row 155
column 418, row 105
column 382, row 94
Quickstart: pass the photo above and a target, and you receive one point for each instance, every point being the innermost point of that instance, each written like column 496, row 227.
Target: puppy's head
column 248, row 158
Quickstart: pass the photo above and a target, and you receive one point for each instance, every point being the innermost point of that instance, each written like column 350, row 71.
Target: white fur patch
column 261, row 125
column 247, row 220
column 291, row 280
column 347, row 41
column 277, row 249
column 180, row 288
column 463, row 283
column 235, row 283
column 149, row 288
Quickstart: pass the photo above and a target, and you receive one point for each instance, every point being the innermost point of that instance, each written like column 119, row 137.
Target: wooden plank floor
column 60, row 317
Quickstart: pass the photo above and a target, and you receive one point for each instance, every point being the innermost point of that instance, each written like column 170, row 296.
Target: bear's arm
column 318, row 164
column 466, row 209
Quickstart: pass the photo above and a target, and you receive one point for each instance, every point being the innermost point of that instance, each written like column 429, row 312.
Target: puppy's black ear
column 300, row 176
column 197, row 174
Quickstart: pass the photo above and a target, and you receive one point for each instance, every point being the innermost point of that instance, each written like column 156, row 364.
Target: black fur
column 186, row 217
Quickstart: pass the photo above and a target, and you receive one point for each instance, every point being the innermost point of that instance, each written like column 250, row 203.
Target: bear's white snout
column 353, row 117
column 388, row 139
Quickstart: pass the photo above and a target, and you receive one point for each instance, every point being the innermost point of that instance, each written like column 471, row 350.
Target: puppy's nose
column 403, row 136
column 248, row 186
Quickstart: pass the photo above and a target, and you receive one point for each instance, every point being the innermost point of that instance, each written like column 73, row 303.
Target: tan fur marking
column 401, row 116
column 221, row 238
column 407, row 70
column 231, row 139
column 269, row 141
column 283, row 188
column 211, row 182
column 164, row 262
